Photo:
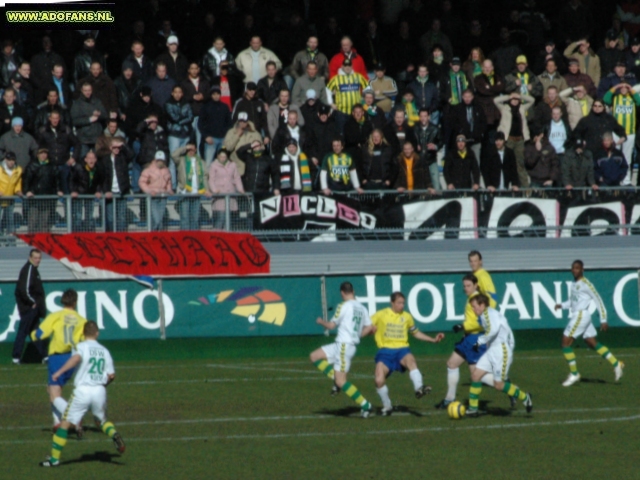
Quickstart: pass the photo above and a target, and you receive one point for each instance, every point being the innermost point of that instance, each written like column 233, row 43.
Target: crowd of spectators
column 206, row 98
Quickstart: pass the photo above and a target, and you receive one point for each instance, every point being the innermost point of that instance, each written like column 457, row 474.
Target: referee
column 31, row 305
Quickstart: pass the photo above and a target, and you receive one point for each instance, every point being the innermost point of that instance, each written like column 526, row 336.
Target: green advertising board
column 262, row 306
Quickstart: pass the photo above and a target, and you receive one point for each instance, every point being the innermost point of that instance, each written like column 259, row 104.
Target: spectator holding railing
column 413, row 171
column 577, row 166
column 10, row 186
column 338, row 171
column 64, row 147
column 610, row 165
column 541, row 161
column 86, row 178
column 193, row 182
column 223, row 179
column 155, row 180
column 461, row 169
column 41, row 178
column 376, row 170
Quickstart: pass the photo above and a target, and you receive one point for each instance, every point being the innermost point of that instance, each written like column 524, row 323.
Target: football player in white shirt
column 94, row 374
column 582, row 293
column 334, row 360
column 498, row 338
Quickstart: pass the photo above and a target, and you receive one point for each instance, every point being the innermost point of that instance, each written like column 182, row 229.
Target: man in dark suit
column 115, row 167
column 499, row 168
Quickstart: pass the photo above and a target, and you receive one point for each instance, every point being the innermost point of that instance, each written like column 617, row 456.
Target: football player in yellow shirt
column 485, row 284
column 65, row 328
column 392, row 328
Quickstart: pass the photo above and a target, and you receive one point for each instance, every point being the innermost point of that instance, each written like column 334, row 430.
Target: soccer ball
column 456, row 410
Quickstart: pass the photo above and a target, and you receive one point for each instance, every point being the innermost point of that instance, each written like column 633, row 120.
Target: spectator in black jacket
column 176, row 62
column 9, row 63
column 89, row 118
column 30, row 300
column 419, row 179
column 196, row 90
column 86, row 179
column 428, row 142
column 255, row 108
column 376, row 170
column 115, row 167
column 271, row 84
column 284, row 133
column 356, row 133
column 140, row 63
column 126, row 85
column 9, row 109
column 397, row 131
column 597, row 123
column 49, row 105
column 499, row 167
column 321, row 134
column 63, row 146
column 213, row 124
column 41, row 178
column 461, row 167
column 58, row 82
column 86, row 56
column 231, row 85
column 262, row 171
column 42, row 64
column 141, row 107
column 161, row 84
column 153, row 138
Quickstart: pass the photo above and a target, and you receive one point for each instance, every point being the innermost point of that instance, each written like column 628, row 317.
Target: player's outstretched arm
column 426, row 338
column 69, row 364
column 327, row 325
column 368, row 330
column 110, row 379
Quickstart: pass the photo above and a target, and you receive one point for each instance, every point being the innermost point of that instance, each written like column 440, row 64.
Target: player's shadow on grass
column 102, row 457
column 409, row 410
column 340, row 412
column 593, row 380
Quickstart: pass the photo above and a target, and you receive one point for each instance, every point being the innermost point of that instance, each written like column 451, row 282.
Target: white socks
column 453, row 377
column 384, row 396
column 59, row 405
column 416, row 378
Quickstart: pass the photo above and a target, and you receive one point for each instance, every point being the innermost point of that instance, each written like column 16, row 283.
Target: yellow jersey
column 65, row 329
column 486, row 287
column 392, row 328
column 471, row 323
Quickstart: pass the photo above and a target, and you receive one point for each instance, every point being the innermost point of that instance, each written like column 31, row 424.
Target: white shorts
column 497, row 360
column 340, row 355
column 83, row 399
column 580, row 326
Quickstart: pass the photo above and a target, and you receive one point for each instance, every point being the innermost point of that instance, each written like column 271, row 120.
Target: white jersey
column 96, row 365
column 350, row 318
column 496, row 329
column 582, row 293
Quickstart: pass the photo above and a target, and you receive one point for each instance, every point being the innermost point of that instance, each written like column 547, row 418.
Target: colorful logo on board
column 252, row 303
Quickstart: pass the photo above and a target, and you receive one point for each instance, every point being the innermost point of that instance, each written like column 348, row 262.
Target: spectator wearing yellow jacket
column 10, row 186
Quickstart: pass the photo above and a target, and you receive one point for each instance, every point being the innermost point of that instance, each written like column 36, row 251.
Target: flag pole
column 163, row 329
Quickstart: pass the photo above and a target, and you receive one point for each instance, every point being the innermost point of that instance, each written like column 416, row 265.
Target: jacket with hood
column 211, row 62
column 262, row 172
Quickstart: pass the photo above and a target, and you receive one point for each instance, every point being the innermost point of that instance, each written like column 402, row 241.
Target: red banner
column 162, row 254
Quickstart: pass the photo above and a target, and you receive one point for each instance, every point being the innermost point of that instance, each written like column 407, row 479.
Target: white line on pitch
column 503, row 426
column 278, row 418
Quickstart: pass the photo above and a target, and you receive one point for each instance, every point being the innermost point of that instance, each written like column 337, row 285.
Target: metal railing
column 235, row 212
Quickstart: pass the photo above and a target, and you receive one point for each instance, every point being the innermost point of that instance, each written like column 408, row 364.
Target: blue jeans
column 158, row 208
column 190, row 213
column 120, row 212
column 218, row 220
column 7, row 223
column 174, row 144
column 210, row 151
column 434, row 172
column 84, row 148
column 341, row 120
column 197, row 133
column 80, row 206
column 65, row 173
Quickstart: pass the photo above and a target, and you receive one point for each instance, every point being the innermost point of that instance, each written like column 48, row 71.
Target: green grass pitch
column 256, row 408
